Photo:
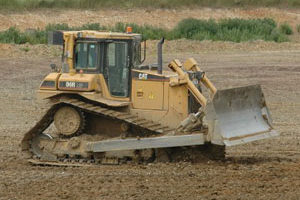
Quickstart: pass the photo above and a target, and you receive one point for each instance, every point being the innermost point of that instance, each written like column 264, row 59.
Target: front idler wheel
column 68, row 121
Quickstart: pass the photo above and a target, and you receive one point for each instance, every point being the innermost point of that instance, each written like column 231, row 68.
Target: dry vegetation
column 96, row 4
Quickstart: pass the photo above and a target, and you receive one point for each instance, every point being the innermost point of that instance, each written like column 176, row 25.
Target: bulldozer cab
column 111, row 58
column 111, row 55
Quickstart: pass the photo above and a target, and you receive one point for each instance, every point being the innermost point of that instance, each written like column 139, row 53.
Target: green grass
column 25, row 49
column 37, row 36
column 96, row 4
column 235, row 30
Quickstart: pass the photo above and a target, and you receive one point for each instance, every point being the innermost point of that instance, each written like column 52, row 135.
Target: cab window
column 118, row 68
column 86, row 56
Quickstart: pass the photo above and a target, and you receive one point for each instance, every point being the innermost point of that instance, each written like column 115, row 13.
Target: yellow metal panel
column 178, row 101
column 106, row 93
column 88, row 78
column 50, row 77
column 147, row 94
column 189, row 64
column 94, row 96
column 166, row 96
column 164, row 117
column 165, row 73
column 176, row 110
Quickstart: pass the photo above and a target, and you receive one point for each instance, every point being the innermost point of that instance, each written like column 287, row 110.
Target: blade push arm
column 184, row 78
column 191, row 65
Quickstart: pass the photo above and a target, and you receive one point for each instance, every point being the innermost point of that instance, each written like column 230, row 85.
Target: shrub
column 13, row 35
column 91, row 26
column 52, row 27
column 235, row 30
column 26, row 49
column 286, row 29
column 187, row 28
column 278, row 37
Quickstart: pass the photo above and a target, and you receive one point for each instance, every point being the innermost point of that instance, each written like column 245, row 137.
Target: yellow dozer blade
column 239, row 115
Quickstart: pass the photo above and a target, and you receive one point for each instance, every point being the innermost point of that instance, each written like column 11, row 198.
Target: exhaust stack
column 159, row 55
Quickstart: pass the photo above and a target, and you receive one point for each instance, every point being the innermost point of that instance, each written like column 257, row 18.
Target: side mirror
column 53, row 67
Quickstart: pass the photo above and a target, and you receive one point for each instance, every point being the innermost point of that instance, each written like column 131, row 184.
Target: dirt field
column 166, row 18
column 267, row 169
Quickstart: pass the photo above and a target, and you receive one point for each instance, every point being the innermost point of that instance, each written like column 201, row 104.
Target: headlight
column 48, row 84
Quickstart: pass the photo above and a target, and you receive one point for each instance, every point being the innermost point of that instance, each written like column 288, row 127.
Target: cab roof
column 102, row 35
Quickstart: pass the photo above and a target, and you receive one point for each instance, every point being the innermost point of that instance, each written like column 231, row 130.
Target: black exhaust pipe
column 159, row 56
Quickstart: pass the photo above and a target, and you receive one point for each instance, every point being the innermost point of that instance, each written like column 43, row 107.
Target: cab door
column 117, row 68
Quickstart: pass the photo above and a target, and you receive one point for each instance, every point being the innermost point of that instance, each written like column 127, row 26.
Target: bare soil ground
column 268, row 169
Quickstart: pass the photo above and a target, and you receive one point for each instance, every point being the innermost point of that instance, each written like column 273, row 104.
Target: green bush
column 235, row 30
column 278, row 37
column 25, row 49
column 52, row 27
column 187, row 28
column 13, row 35
column 286, row 29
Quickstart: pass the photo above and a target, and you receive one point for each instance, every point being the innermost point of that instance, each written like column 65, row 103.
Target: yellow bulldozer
column 109, row 107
